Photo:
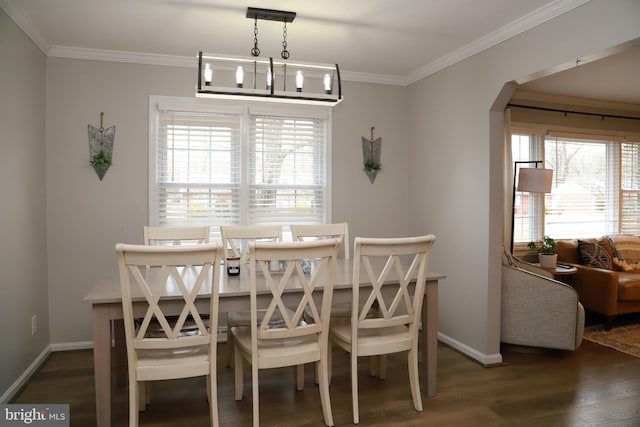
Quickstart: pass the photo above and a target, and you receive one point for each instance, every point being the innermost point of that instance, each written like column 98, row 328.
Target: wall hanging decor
column 371, row 150
column 101, row 147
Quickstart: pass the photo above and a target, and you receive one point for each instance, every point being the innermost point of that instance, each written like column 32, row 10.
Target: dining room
column 62, row 222
column 402, row 293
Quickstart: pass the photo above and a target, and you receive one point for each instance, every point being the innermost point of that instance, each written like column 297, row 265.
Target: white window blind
column 198, row 176
column 630, row 189
column 528, row 206
column 583, row 200
column 230, row 165
column 595, row 190
column 286, row 170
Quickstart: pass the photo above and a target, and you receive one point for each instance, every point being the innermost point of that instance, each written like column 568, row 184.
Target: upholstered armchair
column 538, row 311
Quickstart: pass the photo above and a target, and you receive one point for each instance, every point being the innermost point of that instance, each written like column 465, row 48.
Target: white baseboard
column 66, row 346
column 26, row 375
column 483, row 359
column 35, row 365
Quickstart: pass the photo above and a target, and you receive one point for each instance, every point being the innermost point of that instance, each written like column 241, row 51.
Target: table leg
column 102, row 364
column 430, row 337
column 120, row 353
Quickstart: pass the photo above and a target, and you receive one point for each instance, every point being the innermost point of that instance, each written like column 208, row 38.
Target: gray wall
column 456, row 152
column 441, row 127
column 87, row 217
column 23, row 261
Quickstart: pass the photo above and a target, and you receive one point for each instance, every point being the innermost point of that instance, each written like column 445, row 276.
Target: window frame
column 614, row 170
column 246, row 109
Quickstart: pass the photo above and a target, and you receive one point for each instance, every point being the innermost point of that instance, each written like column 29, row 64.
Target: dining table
column 108, row 330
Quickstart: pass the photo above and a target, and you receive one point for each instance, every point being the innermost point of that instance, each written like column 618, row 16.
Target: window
column 528, row 206
column 595, row 190
column 286, row 170
column 246, row 165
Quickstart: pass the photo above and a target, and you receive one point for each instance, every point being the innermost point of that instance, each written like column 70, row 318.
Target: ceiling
column 385, row 41
column 612, row 78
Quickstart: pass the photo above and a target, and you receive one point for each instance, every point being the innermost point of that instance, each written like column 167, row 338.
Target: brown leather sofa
column 603, row 291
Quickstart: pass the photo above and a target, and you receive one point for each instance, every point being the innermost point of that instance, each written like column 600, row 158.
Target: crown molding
column 519, row 26
column 381, row 79
column 70, row 52
column 537, row 17
column 122, row 56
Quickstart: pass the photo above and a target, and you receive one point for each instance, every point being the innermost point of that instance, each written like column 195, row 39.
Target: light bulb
column 327, row 83
column 269, row 78
column 208, row 74
column 239, row 76
column 299, row 81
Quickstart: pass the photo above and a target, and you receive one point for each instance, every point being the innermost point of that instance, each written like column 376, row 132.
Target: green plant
column 100, row 158
column 546, row 246
column 370, row 165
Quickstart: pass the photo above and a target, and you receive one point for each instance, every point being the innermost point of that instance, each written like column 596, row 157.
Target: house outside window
column 238, row 164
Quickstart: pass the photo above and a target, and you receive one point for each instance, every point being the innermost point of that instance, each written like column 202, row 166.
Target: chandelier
column 221, row 76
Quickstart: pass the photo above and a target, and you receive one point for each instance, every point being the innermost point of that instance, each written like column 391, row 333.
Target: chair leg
column 229, row 346
column 212, row 393
column 378, row 366
column 329, row 362
column 134, row 388
column 414, row 380
column 254, row 390
column 373, row 366
column 299, row 374
column 382, row 366
column 325, row 398
column 354, row 388
column 238, row 365
column 144, row 395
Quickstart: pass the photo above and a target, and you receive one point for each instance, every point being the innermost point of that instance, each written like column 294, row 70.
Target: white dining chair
column 236, row 238
column 235, row 242
column 391, row 265
column 292, row 341
column 175, row 235
column 158, row 235
column 147, row 274
column 302, row 232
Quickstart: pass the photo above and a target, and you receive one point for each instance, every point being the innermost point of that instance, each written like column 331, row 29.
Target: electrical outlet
column 222, row 334
column 34, row 324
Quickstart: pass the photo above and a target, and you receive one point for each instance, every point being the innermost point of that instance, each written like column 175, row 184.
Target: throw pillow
column 593, row 254
column 626, row 250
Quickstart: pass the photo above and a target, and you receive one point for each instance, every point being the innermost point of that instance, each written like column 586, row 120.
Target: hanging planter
column 371, row 151
column 101, row 147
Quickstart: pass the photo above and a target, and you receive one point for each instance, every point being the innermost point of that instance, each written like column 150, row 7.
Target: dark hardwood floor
column 594, row 386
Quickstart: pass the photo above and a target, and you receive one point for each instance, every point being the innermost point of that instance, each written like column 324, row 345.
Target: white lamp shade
column 535, row 180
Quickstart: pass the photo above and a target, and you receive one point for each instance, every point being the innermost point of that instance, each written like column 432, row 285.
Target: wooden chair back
column 278, row 336
column 235, row 238
column 160, row 285
column 149, row 273
column 301, row 232
column 288, row 321
column 155, row 235
column 403, row 307
column 387, row 317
